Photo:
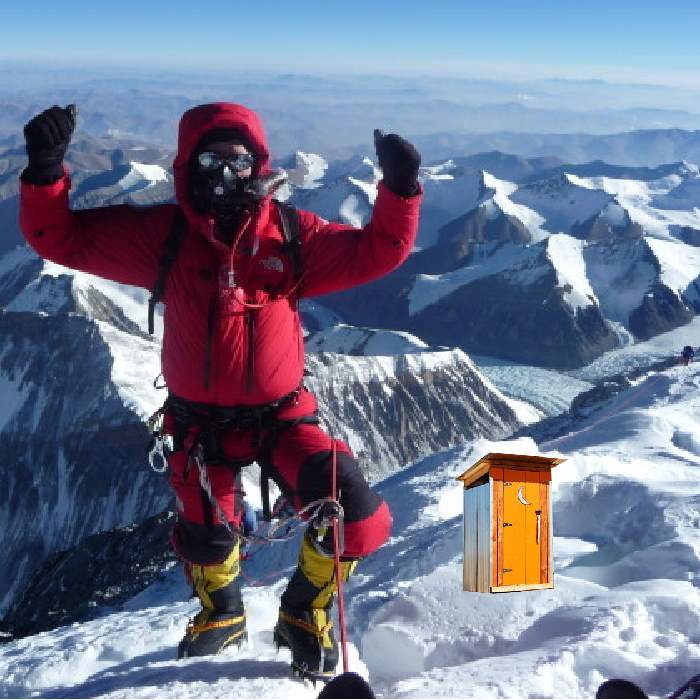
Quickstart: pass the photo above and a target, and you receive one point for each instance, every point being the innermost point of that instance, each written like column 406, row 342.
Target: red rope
column 338, row 573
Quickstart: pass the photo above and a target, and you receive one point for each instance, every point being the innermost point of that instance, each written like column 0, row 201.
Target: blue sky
column 635, row 40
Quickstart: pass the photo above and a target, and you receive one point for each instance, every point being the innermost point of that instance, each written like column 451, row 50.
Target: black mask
column 221, row 193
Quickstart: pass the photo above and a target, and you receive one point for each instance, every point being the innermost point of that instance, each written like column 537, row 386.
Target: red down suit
column 232, row 333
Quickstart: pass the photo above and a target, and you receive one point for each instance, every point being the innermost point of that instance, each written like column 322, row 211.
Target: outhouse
column 508, row 523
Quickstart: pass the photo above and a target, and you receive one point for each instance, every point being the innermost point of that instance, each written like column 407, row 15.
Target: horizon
column 501, row 41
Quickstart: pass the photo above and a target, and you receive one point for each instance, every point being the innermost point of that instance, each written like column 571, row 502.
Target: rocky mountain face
column 72, row 449
column 101, row 572
column 551, row 271
column 395, row 409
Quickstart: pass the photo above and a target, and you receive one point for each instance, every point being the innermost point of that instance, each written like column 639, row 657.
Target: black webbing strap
column 265, row 459
column 167, row 258
column 289, row 217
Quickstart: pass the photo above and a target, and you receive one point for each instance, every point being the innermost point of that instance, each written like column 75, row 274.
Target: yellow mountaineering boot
column 304, row 623
column 221, row 621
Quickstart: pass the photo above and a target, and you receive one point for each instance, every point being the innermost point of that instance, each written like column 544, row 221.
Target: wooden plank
column 513, row 529
column 531, row 493
column 525, row 587
column 497, row 532
column 475, row 473
column 545, row 551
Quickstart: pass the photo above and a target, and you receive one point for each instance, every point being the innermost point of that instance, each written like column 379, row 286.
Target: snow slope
column 659, row 206
column 562, row 201
column 625, row 603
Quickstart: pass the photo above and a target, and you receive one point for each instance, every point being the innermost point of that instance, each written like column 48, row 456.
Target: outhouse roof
column 502, row 459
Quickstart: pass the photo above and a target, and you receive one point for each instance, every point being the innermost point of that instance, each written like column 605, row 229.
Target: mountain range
column 538, row 262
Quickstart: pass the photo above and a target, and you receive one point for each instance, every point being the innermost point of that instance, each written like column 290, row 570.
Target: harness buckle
column 330, row 513
column 161, row 445
column 161, row 448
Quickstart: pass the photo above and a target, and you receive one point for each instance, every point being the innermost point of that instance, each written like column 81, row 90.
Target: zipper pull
column 231, row 279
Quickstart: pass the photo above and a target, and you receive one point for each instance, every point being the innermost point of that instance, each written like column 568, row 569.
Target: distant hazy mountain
column 448, row 117
column 648, row 147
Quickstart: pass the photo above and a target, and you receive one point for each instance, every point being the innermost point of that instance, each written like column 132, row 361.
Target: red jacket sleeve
column 119, row 243
column 336, row 256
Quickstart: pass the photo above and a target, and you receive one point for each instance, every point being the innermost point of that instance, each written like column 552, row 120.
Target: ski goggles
column 209, row 161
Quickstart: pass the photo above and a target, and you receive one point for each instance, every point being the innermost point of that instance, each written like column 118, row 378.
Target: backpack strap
column 289, row 217
column 168, row 256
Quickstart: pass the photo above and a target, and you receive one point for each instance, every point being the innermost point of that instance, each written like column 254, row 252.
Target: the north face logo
column 273, row 263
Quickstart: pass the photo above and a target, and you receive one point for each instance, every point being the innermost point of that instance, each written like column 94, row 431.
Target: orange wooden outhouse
column 508, row 523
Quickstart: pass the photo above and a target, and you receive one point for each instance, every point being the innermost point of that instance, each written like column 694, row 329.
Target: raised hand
column 399, row 161
column 47, row 136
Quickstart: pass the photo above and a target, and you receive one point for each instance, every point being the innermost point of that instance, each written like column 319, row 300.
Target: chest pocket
column 271, row 271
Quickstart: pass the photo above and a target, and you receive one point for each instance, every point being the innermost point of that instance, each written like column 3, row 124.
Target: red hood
column 198, row 121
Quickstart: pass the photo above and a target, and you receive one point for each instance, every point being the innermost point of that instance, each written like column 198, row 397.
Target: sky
column 625, row 40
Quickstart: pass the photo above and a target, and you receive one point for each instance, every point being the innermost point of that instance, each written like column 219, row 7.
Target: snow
column 648, row 203
column 566, row 254
column 626, row 501
column 680, row 266
column 640, row 355
column 447, row 195
column 317, row 316
column 501, row 199
column 136, row 364
column 685, row 196
column 548, row 391
column 620, row 276
column 520, row 263
column 44, row 294
column 14, row 395
column 141, row 175
column 308, row 171
column 353, row 340
column 563, row 201
column 352, row 211
column 16, row 258
column 626, row 600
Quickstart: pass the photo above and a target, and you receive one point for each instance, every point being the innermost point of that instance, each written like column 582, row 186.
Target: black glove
column 47, row 136
column 399, row 161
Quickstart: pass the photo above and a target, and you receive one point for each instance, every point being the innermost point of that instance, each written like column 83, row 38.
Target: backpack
column 292, row 245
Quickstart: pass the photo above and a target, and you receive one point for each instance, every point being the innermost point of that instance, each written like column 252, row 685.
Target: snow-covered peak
column 689, row 168
column 348, row 198
column 563, row 200
column 351, row 340
column 447, row 194
column 497, row 201
column 442, row 171
column 308, row 171
column 519, row 264
column 141, row 175
column 566, row 255
column 502, row 187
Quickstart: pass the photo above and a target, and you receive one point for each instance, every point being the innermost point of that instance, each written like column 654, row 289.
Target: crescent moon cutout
column 521, row 498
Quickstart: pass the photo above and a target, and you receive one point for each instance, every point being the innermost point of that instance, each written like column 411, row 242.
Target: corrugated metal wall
column 477, row 538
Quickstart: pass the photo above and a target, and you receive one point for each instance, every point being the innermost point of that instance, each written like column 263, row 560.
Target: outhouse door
column 523, row 556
